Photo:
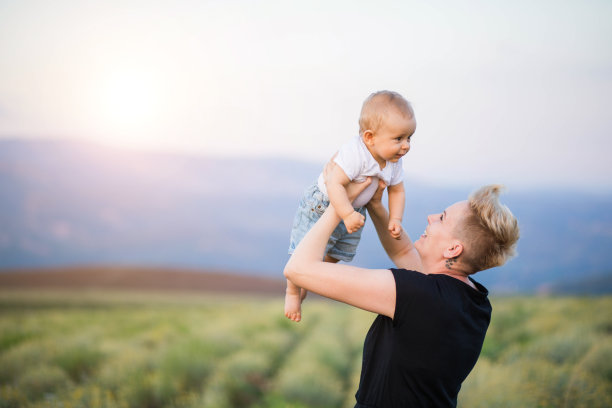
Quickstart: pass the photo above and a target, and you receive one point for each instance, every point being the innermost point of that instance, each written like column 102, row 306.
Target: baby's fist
column 353, row 222
column 395, row 228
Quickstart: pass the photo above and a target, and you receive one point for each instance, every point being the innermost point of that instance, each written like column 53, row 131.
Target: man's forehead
column 457, row 209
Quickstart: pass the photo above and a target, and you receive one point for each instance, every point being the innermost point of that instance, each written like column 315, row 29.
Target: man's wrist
column 378, row 210
column 374, row 205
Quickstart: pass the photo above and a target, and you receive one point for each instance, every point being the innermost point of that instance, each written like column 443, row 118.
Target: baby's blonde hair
column 376, row 107
column 489, row 232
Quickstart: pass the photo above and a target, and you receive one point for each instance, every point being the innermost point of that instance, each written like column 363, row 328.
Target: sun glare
column 130, row 103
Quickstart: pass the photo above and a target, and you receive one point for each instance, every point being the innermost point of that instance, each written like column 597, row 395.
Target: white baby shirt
column 358, row 163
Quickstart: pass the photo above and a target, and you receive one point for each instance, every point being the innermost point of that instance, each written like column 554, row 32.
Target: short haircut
column 377, row 105
column 489, row 232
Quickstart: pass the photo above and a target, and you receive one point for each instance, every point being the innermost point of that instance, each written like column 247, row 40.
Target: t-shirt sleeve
column 348, row 160
column 398, row 173
column 409, row 287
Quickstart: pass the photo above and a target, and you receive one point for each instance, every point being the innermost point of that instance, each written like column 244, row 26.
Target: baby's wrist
column 396, row 219
column 348, row 214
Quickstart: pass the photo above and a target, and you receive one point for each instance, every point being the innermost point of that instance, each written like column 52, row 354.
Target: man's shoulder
column 402, row 275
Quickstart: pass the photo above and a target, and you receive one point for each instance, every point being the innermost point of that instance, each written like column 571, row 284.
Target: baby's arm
column 336, row 189
column 396, row 209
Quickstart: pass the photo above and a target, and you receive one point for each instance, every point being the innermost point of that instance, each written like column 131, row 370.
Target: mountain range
column 66, row 203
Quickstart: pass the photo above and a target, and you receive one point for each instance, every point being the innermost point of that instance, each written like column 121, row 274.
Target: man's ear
column 454, row 250
column 368, row 137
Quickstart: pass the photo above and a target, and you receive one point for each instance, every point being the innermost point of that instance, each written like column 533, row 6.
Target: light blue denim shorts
column 341, row 244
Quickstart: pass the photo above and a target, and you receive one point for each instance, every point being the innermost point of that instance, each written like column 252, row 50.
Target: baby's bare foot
column 293, row 306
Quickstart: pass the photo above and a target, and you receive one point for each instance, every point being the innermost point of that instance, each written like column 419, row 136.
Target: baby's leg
column 303, row 293
column 294, row 296
column 293, row 302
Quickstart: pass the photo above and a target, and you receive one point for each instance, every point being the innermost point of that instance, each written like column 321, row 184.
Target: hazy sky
column 504, row 91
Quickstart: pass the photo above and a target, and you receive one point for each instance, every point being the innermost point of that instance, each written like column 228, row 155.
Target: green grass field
column 102, row 349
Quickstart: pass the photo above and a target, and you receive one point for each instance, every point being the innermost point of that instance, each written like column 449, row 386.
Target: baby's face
column 392, row 140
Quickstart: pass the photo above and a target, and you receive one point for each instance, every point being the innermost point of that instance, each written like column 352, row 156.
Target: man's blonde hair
column 489, row 232
column 376, row 107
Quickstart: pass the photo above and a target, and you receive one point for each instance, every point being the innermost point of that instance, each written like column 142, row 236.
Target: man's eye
column 441, row 217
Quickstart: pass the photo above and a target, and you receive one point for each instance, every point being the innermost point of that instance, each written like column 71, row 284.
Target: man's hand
column 377, row 197
column 353, row 189
column 329, row 167
column 353, row 222
column 395, row 228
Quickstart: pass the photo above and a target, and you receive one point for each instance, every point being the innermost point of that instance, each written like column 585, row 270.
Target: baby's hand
column 353, row 222
column 395, row 228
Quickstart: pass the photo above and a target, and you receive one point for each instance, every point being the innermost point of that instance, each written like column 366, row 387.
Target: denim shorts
column 341, row 244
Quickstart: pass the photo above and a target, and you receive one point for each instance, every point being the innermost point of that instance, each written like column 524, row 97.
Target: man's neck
column 453, row 273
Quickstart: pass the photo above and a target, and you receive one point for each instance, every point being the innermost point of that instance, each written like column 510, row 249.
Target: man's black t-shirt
column 421, row 357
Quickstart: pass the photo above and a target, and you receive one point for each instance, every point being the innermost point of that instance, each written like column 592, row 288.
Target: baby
column 386, row 125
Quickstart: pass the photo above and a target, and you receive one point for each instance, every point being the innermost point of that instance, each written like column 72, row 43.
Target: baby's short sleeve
column 349, row 159
column 397, row 176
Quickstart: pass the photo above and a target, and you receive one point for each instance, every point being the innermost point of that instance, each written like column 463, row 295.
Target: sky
column 505, row 92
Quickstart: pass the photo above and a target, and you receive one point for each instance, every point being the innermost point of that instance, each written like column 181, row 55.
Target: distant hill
column 140, row 278
column 596, row 285
column 74, row 203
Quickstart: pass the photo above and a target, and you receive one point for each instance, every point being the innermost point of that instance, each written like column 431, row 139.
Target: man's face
column 440, row 232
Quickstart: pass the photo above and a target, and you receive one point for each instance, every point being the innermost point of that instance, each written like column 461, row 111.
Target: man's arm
column 368, row 289
column 401, row 251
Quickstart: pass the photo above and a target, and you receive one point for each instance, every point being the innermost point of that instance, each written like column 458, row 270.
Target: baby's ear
column 368, row 137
